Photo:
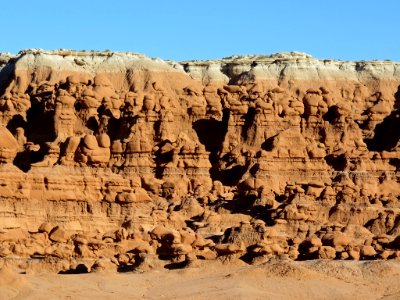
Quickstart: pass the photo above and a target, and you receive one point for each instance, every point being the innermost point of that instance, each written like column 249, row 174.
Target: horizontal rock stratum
column 129, row 159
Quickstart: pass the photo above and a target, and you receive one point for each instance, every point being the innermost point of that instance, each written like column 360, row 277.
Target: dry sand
column 273, row 280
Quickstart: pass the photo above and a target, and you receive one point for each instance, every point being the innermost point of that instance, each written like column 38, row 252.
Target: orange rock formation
column 124, row 159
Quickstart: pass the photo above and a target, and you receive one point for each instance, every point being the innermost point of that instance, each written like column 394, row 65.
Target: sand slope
column 273, row 280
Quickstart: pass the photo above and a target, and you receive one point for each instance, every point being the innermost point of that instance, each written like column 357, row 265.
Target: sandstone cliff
column 117, row 156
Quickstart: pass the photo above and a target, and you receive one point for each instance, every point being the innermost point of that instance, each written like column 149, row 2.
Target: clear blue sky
column 206, row 29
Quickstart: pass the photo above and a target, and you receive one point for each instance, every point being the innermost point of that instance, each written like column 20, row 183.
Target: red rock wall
column 273, row 155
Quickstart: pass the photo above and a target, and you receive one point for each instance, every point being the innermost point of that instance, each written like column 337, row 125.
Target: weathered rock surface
column 123, row 159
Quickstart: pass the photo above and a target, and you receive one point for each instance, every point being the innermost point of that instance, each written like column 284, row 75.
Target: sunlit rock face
column 244, row 157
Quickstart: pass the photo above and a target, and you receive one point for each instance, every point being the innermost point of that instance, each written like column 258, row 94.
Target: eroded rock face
column 119, row 156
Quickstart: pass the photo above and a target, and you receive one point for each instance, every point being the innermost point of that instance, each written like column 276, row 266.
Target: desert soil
column 318, row 279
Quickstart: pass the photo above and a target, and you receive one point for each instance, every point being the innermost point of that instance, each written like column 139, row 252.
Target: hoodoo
column 132, row 159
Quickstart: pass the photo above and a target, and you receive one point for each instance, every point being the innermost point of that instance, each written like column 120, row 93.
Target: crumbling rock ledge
column 129, row 159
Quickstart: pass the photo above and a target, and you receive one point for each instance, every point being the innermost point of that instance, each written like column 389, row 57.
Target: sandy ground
column 272, row 280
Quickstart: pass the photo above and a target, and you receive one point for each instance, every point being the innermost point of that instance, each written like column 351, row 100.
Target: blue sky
column 182, row 30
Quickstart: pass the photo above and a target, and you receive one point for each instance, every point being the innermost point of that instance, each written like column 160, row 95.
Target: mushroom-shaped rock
column 327, row 252
column 336, row 239
column 368, row 252
column 169, row 235
column 181, row 249
column 90, row 142
column 59, row 235
column 312, row 241
column 103, row 265
column 228, row 249
column 45, row 227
